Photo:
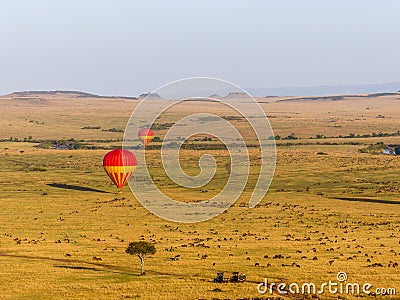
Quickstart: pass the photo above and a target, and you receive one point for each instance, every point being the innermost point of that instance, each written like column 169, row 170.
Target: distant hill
column 337, row 98
column 326, row 90
column 52, row 93
column 236, row 95
column 73, row 94
column 151, row 96
column 316, row 91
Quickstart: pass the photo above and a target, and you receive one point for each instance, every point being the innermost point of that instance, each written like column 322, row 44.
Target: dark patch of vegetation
column 37, row 169
column 354, row 136
column 113, row 130
column 234, row 118
column 91, row 127
column 204, row 139
column 332, row 98
column 200, row 100
column 322, row 153
column 192, row 146
column 162, row 126
column 292, row 136
column 70, row 144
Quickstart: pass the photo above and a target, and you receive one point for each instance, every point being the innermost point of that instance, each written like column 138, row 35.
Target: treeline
column 355, row 136
column 293, row 136
column 70, row 144
column 73, row 144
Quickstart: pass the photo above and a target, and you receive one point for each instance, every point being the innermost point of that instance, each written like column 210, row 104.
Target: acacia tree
column 141, row 249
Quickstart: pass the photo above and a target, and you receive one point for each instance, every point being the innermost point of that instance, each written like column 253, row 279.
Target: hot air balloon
column 146, row 135
column 119, row 165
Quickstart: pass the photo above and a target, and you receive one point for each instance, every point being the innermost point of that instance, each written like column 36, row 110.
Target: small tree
column 141, row 249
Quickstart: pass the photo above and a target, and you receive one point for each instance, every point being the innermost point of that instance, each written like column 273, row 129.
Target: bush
column 322, row 153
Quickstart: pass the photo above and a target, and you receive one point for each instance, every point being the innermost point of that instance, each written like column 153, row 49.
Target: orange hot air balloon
column 119, row 165
column 146, row 135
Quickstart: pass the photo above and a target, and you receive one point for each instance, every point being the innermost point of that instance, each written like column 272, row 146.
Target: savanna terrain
column 330, row 208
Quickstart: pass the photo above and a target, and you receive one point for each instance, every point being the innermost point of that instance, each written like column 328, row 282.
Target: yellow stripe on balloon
column 120, row 169
column 146, row 139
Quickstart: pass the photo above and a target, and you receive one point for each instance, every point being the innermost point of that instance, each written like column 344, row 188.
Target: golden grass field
column 64, row 230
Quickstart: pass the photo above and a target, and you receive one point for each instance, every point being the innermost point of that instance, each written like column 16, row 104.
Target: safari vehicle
column 238, row 277
column 220, row 278
column 234, row 277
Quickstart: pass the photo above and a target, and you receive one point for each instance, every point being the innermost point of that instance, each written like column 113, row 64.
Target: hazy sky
column 129, row 47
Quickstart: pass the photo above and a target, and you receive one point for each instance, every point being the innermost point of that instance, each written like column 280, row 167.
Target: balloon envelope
column 119, row 165
column 146, row 135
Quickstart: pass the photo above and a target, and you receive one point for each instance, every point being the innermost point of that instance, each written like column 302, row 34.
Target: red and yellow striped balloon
column 146, row 135
column 119, row 165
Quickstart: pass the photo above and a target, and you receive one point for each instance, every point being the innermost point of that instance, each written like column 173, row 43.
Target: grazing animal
column 295, row 265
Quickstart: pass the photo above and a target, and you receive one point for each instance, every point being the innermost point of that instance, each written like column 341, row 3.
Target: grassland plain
column 64, row 231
